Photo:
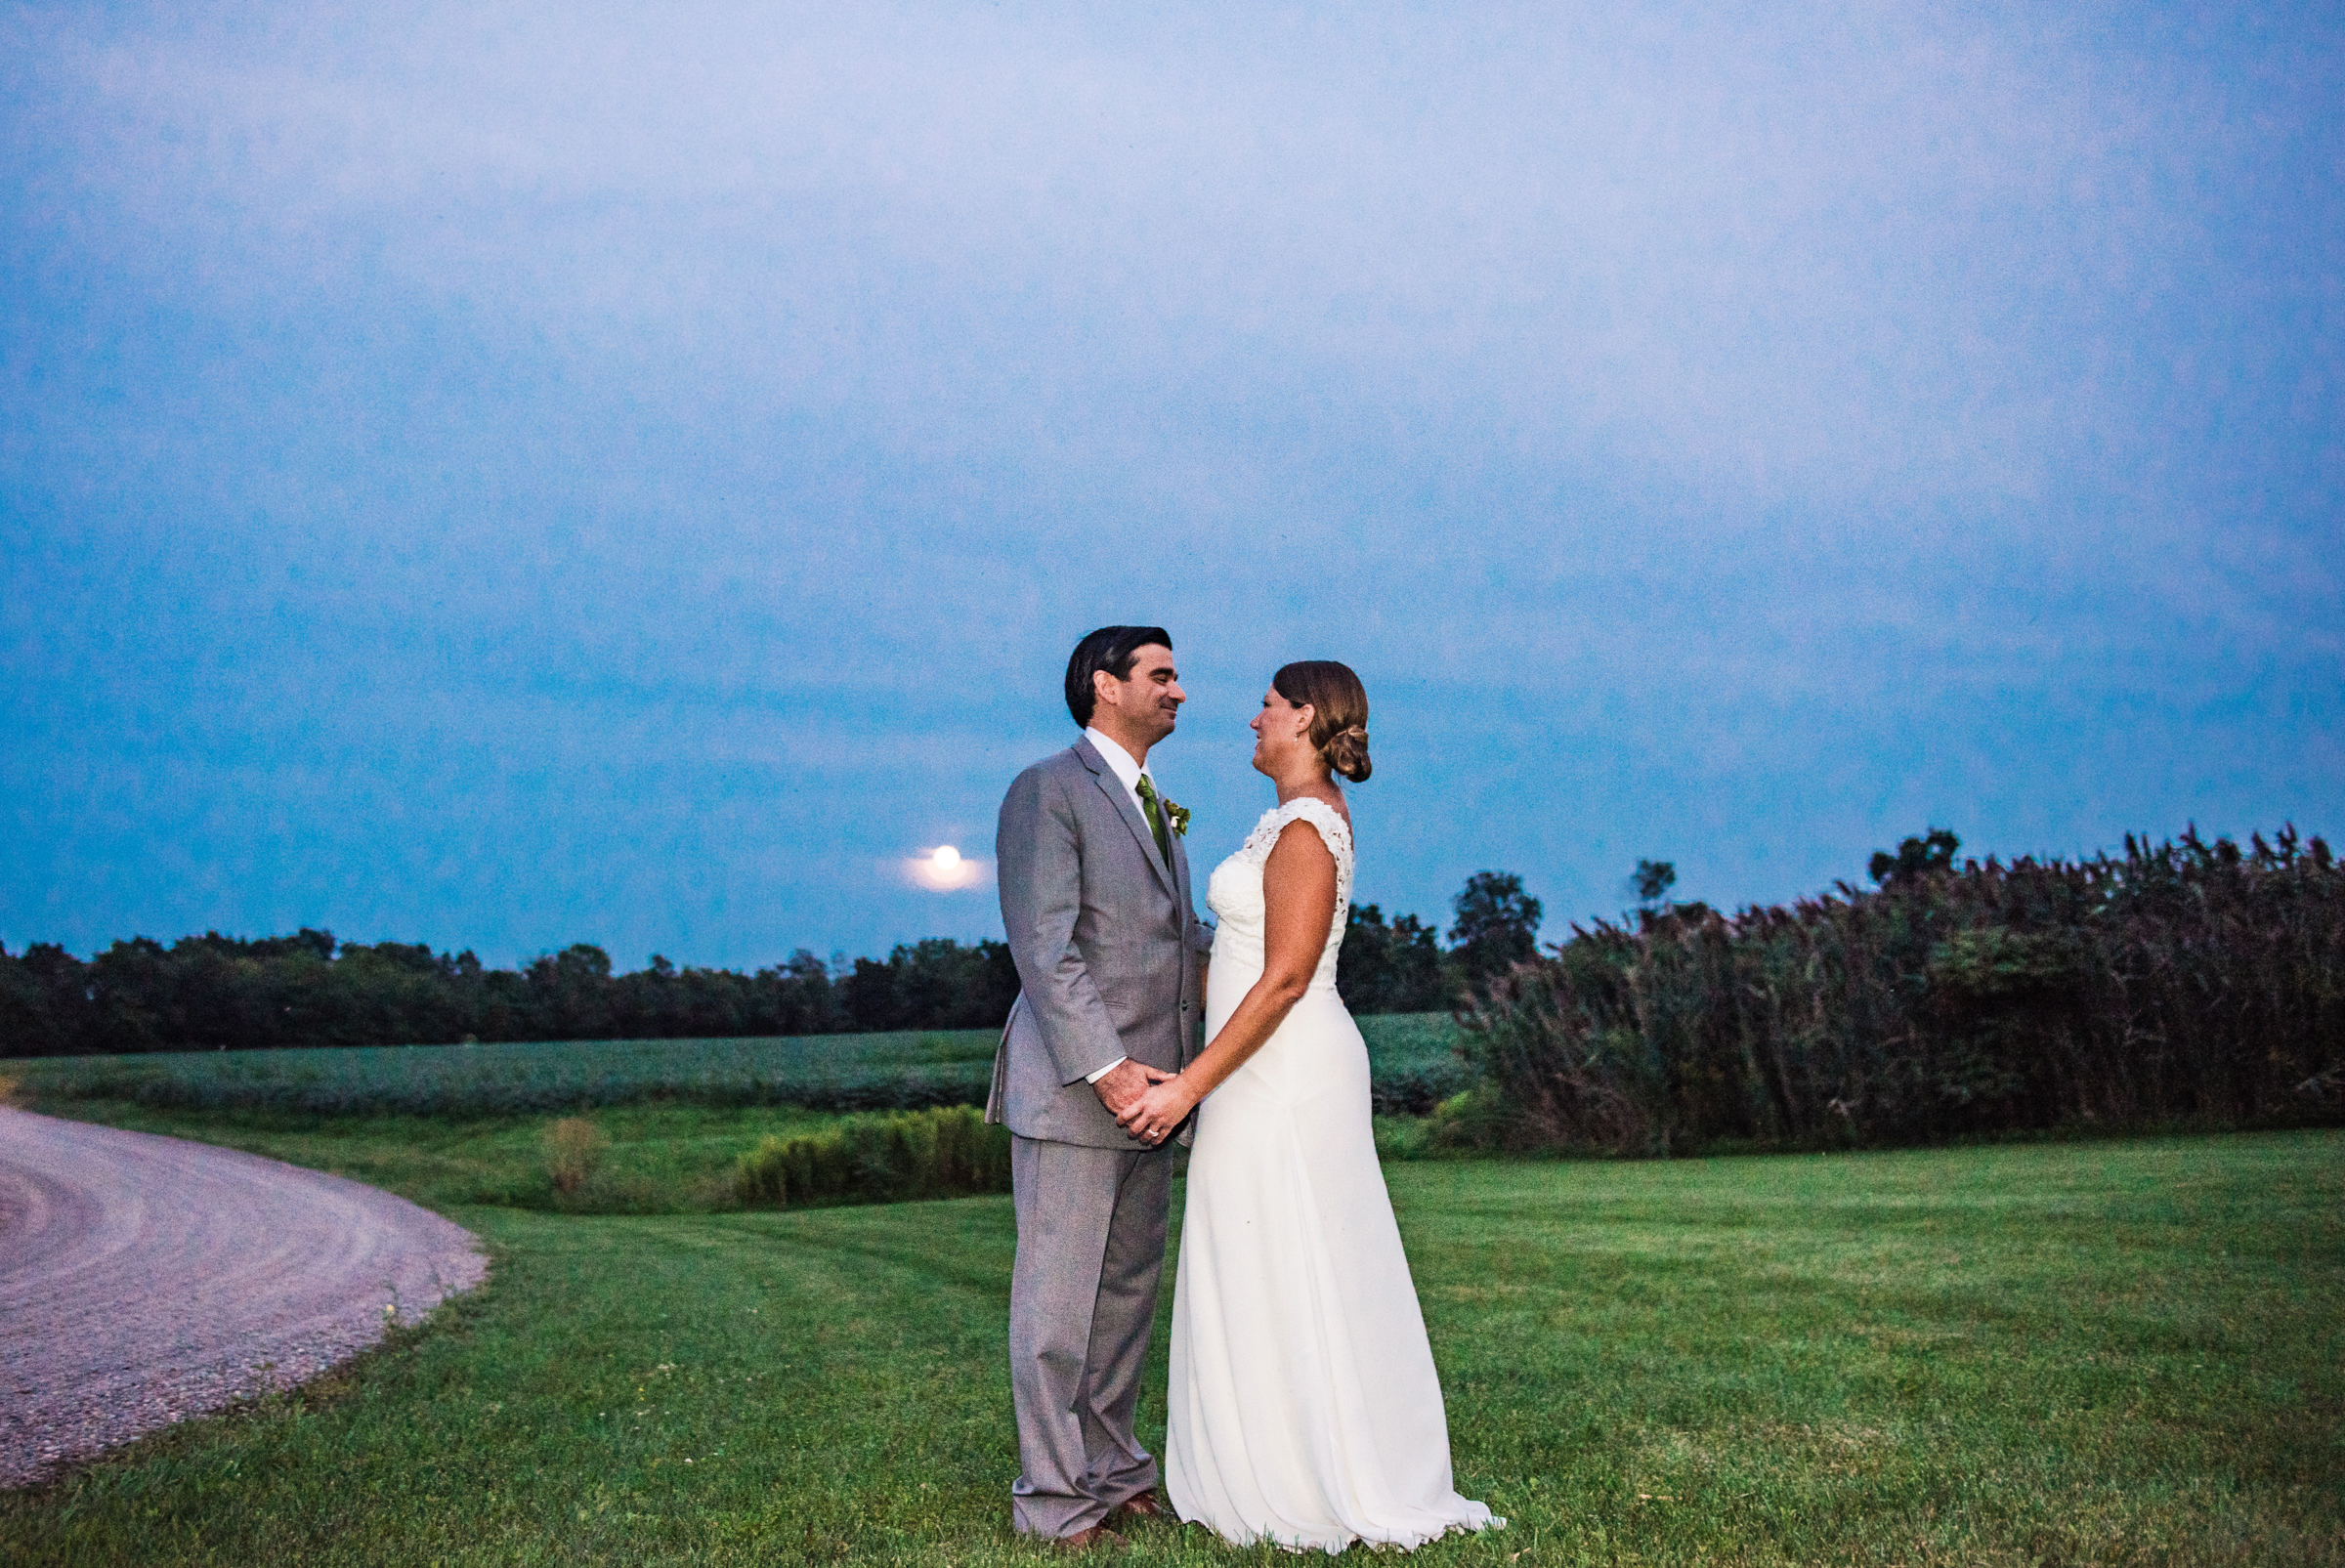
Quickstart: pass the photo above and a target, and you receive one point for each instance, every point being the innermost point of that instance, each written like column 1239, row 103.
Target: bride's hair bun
column 1338, row 705
column 1347, row 752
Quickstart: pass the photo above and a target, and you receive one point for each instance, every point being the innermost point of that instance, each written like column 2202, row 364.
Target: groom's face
column 1147, row 701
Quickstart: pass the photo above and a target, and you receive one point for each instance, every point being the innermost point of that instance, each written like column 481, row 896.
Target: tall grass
column 2185, row 983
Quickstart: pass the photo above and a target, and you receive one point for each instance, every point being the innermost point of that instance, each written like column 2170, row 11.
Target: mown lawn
column 2095, row 1353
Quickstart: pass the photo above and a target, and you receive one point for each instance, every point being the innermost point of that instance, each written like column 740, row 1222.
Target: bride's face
column 1281, row 734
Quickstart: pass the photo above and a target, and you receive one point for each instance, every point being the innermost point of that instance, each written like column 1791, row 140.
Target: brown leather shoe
column 1138, row 1506
column 1098, row 1534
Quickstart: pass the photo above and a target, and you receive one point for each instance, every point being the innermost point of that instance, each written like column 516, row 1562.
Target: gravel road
column 145, row 1280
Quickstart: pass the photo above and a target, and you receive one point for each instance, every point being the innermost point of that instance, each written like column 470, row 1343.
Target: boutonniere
column 1178, row 815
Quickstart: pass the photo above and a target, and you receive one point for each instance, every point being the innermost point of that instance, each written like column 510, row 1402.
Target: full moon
column 945, row 860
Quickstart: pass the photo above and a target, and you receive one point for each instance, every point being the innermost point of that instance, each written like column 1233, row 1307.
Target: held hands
column 1146, row 1101
column 1152, row 1116
column 1123, row 1084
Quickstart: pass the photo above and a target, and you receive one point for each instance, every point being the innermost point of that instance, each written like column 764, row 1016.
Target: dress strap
column 1321, row 816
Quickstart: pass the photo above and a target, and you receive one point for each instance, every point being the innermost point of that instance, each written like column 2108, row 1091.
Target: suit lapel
column 1113, row 788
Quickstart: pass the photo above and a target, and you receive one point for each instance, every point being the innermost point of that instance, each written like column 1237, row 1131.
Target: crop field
column 1410, row 1056
column 2113, row 1353
column 832, row 1071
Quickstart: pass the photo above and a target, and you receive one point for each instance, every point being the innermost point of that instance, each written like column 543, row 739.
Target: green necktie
column 1156, row 817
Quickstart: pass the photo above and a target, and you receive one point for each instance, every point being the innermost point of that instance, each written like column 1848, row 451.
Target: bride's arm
column 1299, row 897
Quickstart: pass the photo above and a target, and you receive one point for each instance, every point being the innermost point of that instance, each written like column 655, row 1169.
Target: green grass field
column 2054, row 1355
column 662, row 1157
column 520, row 1078
column 1411, row 1052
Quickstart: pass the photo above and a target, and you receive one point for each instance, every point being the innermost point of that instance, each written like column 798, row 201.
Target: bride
column 1305, row 1409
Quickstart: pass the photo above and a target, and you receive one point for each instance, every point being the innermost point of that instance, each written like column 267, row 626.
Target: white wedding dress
column 1305, row 1409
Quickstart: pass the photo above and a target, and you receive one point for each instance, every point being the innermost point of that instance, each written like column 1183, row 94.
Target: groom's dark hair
column 1111, row 649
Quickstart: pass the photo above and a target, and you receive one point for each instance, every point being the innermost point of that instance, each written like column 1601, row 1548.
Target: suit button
column 1185, row 1006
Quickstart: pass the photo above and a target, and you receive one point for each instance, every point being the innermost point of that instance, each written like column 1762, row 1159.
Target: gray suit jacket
column 1107, row 945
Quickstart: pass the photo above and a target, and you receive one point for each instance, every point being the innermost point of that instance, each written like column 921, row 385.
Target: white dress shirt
column 1131, row 773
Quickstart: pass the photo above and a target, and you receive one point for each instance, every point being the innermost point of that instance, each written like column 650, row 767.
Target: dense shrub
column 2183, row 983
column 941, row 1153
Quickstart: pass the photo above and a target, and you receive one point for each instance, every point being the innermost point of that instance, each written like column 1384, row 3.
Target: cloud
column 1855, row 247
column 508, row 474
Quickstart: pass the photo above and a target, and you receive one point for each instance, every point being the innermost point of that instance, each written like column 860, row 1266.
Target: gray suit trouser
column 1082, row 1304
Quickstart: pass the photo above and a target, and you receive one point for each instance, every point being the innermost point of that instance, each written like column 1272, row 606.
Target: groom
column 1111, row 961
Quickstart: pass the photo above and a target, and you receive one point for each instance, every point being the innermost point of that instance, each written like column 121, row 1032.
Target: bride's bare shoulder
column 1314, row 817
column 1335, row 802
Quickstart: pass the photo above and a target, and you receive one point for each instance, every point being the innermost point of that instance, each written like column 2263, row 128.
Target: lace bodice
column 1234, row 893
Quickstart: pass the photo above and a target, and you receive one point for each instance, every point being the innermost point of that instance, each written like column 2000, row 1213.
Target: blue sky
column 503, row 476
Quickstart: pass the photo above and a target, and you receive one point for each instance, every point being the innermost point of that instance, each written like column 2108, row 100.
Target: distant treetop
column 1916, row 858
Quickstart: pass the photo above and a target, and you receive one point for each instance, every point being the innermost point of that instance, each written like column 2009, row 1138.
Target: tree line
column 2183, row 983
column 213, row 992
